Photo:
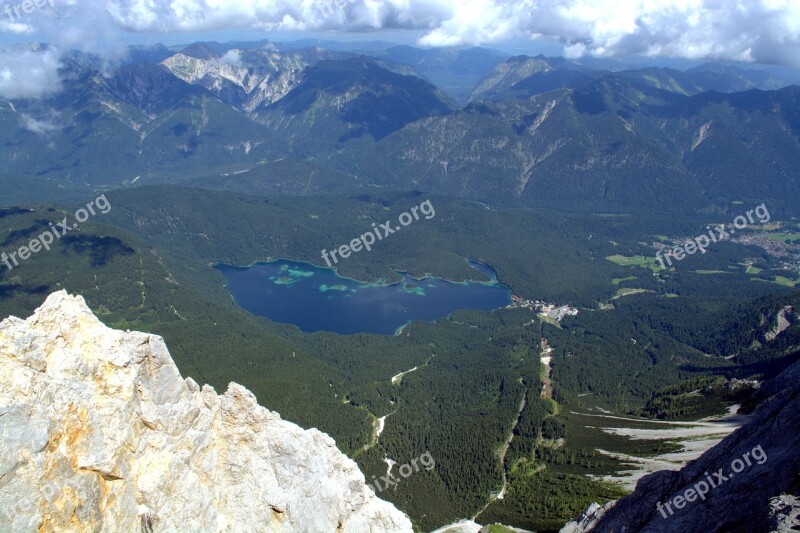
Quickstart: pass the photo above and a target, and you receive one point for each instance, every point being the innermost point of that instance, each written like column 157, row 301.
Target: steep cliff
column 748, row 482
column 98, row 431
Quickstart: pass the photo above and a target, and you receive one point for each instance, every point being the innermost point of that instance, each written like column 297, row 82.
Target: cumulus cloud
column 348, row 15
column 750, row 30
column 29, row 72
column 766, row 31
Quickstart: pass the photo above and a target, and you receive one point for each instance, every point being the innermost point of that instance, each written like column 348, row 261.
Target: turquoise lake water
column 318, row 299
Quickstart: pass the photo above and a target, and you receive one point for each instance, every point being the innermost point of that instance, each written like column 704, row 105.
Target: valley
column 383, row 395
column 692, row 438
column 547, row 338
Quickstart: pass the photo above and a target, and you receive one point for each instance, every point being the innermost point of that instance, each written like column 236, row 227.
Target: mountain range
column 558, row 182
column 536, row 130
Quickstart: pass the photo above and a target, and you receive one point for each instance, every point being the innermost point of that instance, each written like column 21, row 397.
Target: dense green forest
column 147, row 266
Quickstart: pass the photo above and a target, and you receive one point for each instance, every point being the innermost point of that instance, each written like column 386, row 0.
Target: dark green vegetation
column 559, row 176
column 319, row 109
column 694, row 399
column 610, row 142
column 146, row 266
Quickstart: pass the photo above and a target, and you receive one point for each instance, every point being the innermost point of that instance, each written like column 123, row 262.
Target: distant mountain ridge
column 245, row 79
column 340, row 100
column 610, row 141
column 454, row 70
column 524, row 76
column 539, row 131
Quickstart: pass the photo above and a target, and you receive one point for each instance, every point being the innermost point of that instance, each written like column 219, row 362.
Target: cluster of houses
column 544, row 309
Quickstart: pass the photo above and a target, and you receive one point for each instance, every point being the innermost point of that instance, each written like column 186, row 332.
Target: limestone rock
column 784, row 514
column 99, row 432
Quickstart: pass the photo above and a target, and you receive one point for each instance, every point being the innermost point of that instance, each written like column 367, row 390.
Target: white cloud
column 767, row 31
column 41, row 127
column 209, row 15
column 10, row 26
column 755, row 30
column 29, row 73
column 758, row 30
column 231, row 57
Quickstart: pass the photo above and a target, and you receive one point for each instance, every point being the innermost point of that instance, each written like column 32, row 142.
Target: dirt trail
column 504, row 450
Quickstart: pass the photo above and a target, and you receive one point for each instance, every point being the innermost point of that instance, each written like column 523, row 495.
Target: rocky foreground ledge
column 99, row 432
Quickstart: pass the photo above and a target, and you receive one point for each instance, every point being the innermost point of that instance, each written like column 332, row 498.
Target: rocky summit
column 99, row 432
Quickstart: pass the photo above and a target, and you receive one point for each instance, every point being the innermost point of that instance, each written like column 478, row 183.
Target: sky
column 760, row 31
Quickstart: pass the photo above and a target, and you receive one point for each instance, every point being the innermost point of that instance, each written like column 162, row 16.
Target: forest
column 148, row 266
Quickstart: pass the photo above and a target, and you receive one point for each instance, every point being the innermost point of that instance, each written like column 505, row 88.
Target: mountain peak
column 101, row 432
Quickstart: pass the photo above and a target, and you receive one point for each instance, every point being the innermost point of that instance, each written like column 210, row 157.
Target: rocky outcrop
column 748, row 482
column 99, row 432
column 246, row 79
column 784, row 514
column 785, row 318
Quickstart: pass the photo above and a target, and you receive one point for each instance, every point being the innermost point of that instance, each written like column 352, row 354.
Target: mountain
column 523, row 77
column 611, row 142
column 147, row 54
column 341, row 100
column 758, row 464
column 150, row 88
column 101, row 432
column 455, row 70
column 208, row 116
column 504, row 79
column 245, row 78
column 749, row 78
column 703, row 79
column 138, row 122
column 539, row 131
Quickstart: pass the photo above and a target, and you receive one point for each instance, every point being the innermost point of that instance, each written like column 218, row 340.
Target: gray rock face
column 784, row 515
column 747, row 480
column 99, row 432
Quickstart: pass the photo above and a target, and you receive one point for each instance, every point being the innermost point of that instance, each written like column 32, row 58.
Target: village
column 545, row 310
